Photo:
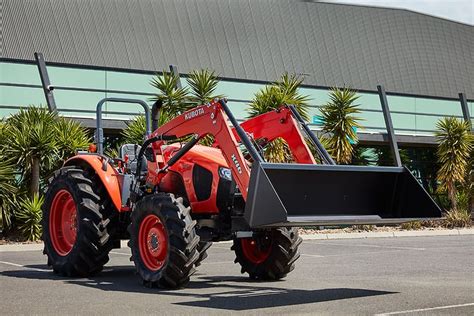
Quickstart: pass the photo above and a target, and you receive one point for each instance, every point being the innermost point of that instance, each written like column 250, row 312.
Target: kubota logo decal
column 194, row 113
column 236, row 162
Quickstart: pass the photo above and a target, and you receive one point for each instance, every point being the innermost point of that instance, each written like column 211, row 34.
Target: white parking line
column 364, row 245
column 120, row 253
column 314, row 256
column 217, row 262
column 22, row 266
column 425, row 309
column 352, row 254
column 219, row 247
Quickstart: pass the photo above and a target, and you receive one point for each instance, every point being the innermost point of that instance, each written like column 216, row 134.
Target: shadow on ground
column 228, row 293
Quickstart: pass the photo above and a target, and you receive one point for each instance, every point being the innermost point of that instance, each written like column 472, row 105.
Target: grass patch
column 411, row 225
column 457, row 218
column 365, row 228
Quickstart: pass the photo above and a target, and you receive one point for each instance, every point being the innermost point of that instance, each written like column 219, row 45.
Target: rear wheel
column 75, row 234
column 268, row 255
column 163, row 241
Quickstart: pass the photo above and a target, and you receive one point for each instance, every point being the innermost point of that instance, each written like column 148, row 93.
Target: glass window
column 21, row 96
column 410, row 115
column 19, row 73
column 125, row 81
column 238, row 90
column 77, row 103
column 78, row 78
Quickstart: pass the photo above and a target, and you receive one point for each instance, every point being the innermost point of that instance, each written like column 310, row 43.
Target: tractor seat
column 131, row 150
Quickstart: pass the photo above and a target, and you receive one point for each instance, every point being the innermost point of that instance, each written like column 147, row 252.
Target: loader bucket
column 311, row 195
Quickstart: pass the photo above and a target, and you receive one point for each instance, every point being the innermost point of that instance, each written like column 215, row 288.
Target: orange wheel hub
column 63, row 222
column 254, row 252
column 153, row 242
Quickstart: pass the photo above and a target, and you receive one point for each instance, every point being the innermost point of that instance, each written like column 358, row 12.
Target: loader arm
column 203, row 120
column 301, row 194
column 279, row 123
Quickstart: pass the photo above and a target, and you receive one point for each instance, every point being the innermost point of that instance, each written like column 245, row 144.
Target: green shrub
column 411, row 225
column 458, row 218
column 366, row 228
column 134, row 133
column 7, row 193
column 39, row 141
column 340, row 123
column 29, row 216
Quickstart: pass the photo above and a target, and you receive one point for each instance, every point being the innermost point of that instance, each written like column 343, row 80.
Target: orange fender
column 109, row 177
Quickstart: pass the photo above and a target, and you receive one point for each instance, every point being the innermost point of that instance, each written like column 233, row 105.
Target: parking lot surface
column 406, row 275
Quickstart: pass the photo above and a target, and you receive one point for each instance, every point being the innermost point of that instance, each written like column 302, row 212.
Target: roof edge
column 388, row 8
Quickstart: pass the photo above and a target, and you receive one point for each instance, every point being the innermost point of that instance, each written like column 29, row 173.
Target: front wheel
column 163, row 241
column 268, row 255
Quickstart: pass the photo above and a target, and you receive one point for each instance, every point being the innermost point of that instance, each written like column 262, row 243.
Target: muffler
column 312, row 195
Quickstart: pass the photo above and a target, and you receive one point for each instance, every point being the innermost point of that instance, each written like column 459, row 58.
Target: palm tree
column 8, row 191
column 284, row 91
column 135, row 130
column 38, row 141
column 7, row 178
column 455, row 144
column 71, row 136
column 203, row 83
column 32, row 143
column 175, row 100
column 340, row 123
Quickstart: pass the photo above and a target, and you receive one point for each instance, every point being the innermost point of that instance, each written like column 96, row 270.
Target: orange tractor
column 172, row 197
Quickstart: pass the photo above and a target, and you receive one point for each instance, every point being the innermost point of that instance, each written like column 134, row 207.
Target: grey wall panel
column 332, row 44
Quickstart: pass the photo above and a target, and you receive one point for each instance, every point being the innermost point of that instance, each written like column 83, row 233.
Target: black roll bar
column 100, row 132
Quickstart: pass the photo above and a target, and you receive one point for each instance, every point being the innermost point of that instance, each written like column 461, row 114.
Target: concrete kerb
column 328, row 236
column 402, row 233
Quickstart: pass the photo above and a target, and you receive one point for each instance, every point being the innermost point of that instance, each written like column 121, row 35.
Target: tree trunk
column 452, row 196
column 35, row 176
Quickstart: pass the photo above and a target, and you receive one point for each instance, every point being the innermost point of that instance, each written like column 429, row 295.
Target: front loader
column 172, row 197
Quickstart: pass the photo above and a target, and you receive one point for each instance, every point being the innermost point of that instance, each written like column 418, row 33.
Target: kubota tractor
column 172, row 197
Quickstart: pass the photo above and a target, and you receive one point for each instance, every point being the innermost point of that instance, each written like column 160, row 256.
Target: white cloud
column 457, row 10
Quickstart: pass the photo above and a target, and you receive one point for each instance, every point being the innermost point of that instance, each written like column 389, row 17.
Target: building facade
column 113, row 48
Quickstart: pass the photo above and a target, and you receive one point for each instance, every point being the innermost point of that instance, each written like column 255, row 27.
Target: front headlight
column 225, row 173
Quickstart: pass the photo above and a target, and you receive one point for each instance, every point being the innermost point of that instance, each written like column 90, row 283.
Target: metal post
column 465, row 108
column 174, row 71
column 388, row 123
column 47, row 87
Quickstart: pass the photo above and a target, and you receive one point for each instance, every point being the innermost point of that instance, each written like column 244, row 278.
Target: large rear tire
column 163, row 241
column 75, row 234
column 268, row 255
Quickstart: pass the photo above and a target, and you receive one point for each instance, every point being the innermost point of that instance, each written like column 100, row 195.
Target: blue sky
column 457, row 10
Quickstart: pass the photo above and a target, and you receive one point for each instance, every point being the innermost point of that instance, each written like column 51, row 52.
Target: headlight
column 225, row 173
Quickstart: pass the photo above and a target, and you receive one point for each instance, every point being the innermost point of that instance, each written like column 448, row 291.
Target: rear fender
column 109, row 177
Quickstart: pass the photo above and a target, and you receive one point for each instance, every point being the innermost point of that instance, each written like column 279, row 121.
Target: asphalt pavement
column 404, row 275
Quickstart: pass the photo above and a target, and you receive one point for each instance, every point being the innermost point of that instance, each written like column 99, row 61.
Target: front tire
column 75, row 234
column 268, row 255
column 163, row 241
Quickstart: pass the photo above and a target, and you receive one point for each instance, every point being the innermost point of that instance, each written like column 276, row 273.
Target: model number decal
column 236, row 162
column 193, row 113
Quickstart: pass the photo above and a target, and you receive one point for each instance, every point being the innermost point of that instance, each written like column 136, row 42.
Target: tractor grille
column 202, row 182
